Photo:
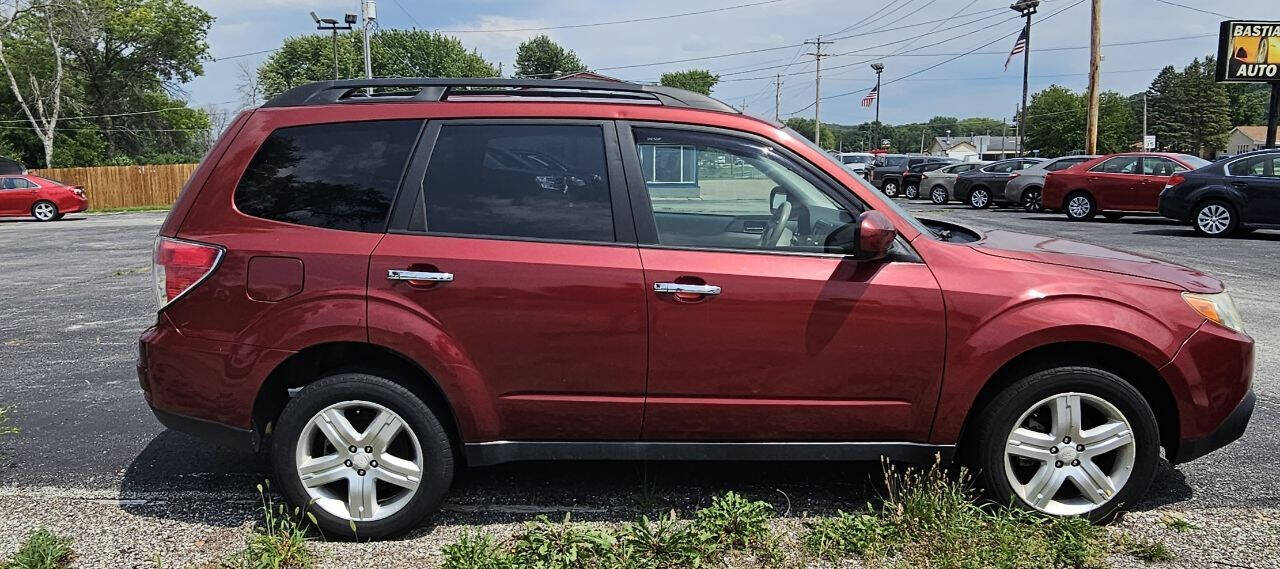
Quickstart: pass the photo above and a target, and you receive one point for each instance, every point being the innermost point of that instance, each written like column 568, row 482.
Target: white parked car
column 857, row 162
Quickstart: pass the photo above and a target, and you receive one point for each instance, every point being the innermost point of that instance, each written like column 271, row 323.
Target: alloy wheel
column 44, row 211
column 938, row 195
column 891, row 189
column 359, row 461
column 1069, row 454
column 979, row 199
column 1079, row 207
column 912, row 192
column 1031, row 201
column 1213, row 219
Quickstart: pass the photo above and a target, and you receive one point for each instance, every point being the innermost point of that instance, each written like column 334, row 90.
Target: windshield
column 1193, row 161
column 889, row 203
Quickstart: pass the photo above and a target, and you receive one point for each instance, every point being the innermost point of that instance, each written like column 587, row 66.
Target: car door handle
column 419, row 276
column 677, row 288
column 1241, row 185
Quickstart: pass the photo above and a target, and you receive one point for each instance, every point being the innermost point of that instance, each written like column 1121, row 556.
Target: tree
column 393, row 53
column 28, row 37
column 1056, row 125
column 805, row 128
column 541, row 57
column 696, row 80
column 1206, row 108
column 1248, row 102
column 1116, row 123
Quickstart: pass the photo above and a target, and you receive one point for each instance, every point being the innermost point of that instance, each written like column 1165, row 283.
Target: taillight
column 178, row 266
column 1176, row 179
column 1014, row 175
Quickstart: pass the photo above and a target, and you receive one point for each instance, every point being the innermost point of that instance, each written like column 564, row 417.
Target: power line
column 614, row 22
column 238, row 55
column 1194, row 9
column 865, row 19
column 406, row 12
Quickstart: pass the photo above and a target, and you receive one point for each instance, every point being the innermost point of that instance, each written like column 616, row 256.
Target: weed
column 42, row 550
column 1143, row 549
column 280, row 542
column 475, row 551
column 668, row 542
column 846, row 535
column 566, row 545
column 1177, row 523
column 737, row 523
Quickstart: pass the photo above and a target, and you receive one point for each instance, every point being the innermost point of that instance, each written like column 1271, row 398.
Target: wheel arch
column 1129, row 366
column 318, row 361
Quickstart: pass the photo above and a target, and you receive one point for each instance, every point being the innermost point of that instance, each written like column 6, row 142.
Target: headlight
column 1218, row 308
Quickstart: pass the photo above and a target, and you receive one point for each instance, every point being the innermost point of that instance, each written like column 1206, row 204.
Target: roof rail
column 435, row 89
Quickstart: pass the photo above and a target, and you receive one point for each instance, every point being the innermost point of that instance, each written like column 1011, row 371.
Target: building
column 1244, row 139
column 972, row 148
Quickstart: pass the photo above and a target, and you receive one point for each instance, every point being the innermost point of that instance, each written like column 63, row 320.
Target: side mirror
column 867, row 239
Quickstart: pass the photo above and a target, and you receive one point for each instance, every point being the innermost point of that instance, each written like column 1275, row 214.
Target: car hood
column 1067, row 253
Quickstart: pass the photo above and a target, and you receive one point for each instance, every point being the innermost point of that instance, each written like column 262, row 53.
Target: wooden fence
column 125, row 186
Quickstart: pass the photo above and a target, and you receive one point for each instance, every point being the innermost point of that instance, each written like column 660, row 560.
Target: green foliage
column 1248, row 102
column 567, row 545
column 541, row 57
column 280, row 542
column 42, row 550
column 666, row 543
column 392, row 53
column 1143, row 549
column 5, row 427
column 1188, row 111
column 908, row 137
column 847, row 535
column 738, row 523
column 1057, row 122
column 1177, row 523
column 805, row 128
column 475, row 551
column 696, row 80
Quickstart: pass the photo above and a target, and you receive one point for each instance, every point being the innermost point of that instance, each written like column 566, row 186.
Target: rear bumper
column 1228, row 432
column 234, row 438
column 1174, row 209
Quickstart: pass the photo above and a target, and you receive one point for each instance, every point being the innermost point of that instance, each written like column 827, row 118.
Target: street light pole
column 1027, row 8
column 332, row 24
column 878, row 68
column 370, row 11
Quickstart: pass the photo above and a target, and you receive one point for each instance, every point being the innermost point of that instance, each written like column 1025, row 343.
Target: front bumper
column 1228, row 432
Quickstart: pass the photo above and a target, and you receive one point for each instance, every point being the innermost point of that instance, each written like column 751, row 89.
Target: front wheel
column 979, row 198
column 912, row 191
column 938, row 195
column 1215, row 219
column 890, row 188
column 363, row 454
column 1068, row 441
column 1080, row 207
column 45, row 211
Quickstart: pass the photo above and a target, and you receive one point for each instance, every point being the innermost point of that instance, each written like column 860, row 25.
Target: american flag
column 871, row 97
column 1018, row 47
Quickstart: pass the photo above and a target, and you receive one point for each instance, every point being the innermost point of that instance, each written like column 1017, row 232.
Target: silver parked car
column 1025, row 187
column 939, row 183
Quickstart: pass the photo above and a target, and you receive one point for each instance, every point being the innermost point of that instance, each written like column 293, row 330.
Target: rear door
column 1113, row 182
column 775, row 338
column 1258, row 178
column 1156, row 171
column 515, row 260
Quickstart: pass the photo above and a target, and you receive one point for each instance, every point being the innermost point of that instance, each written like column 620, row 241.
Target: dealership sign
column 1249, row 51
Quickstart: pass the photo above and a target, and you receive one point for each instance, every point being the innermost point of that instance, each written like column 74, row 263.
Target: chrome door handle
column 399, row 275
column 672, row 288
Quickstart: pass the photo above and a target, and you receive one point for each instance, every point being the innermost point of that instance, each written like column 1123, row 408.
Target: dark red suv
column 383, row 287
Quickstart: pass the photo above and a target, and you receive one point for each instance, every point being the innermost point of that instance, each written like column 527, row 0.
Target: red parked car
column 382, row 288
column 41, row 198
column 1114, row 184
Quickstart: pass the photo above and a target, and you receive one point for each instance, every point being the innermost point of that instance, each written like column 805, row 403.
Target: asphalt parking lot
column 75, row 294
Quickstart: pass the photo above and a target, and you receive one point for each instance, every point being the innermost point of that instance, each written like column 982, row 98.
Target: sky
column 918, row 42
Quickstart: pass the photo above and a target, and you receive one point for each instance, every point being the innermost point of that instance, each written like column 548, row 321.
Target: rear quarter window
column 336, row 176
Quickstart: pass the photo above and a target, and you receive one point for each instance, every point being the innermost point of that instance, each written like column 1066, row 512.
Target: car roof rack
column 436, row 89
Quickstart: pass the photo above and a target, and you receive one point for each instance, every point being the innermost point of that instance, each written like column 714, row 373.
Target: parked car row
column 1236, row 194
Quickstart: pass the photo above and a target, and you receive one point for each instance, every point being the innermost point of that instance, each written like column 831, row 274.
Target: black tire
column 979, row 198
column 437, row 453
column 1215, row 218
column 1031, row 200
column 45, row 210
column 1086, row 210
column 938, row 195
column 890, row 188
column 997, row 419
column 1112, row 215
column 912, row 191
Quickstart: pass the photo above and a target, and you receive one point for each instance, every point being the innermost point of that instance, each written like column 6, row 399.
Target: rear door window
column 337, row 176
column 1157, row 166
column 1063, row 164
column 1118, row 165
column 1000, row 168
column 537, row 181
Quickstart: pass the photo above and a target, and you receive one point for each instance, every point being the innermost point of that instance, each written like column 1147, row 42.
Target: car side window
column 1264, row 166
column 1117, row 165
column 336, row 176
column 1063, row 164
column 1157, row 166
column 1003, row 168
column 537, row 181
column 6, row 184
column 764, row 202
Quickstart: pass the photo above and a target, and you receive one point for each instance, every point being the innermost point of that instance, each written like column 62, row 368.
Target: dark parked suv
column 888, row 170
column 1231, row 195
column 382, row 288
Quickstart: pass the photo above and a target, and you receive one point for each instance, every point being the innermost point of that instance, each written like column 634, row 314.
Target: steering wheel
column 776, row 232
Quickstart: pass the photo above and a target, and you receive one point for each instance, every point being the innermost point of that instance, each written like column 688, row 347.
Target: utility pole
column 817, row 97
column 370, row 10
column 1027, row 8
column 332, row 24
column 1095, row 62
column 777, row 98
column 1273, row 116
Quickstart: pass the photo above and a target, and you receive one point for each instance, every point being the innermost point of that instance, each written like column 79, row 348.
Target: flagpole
column 878, row 68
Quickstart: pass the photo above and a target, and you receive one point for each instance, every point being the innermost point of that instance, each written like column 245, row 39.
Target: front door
column 758, row 332
column 1113, row 182
column 512, row 267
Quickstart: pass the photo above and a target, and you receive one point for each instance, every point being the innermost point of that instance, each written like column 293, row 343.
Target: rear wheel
column 912, row 191
column 1215, row 219
column 44, row 210
column 938, row 195
column 979, row 198
column 1080, row 206
column 363, row 454
column 890, row 188
column 1031, row 200
column 1068, row 441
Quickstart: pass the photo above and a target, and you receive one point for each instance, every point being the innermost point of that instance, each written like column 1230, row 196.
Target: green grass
column 1177, row 523
column 155, row 207
column 41, row 550
column 6, row 428
column 280, row 542
column 1143, row 549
